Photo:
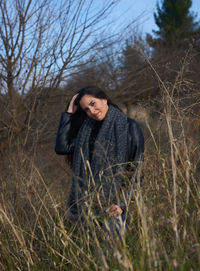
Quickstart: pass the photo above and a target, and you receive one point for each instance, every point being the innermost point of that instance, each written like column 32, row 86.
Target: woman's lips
column 96, row 115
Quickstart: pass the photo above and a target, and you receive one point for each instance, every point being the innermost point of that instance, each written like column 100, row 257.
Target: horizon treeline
column 49, row 50
column 47, row 55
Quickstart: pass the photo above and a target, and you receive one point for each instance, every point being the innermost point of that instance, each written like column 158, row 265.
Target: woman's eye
column 92, row 103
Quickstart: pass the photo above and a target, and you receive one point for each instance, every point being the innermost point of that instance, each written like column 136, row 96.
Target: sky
column 142, row 12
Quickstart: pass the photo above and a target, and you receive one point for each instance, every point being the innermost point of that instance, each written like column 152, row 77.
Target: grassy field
column 164, row 228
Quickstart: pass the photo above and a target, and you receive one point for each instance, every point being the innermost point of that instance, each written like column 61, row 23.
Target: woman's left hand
column 114, row 210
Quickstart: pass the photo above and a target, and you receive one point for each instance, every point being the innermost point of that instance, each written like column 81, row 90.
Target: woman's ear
column 105, row 101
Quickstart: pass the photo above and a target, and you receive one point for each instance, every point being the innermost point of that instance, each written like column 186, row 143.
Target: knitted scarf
column 109, row 154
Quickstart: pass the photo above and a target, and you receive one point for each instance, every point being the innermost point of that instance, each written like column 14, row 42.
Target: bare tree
column 40, row 42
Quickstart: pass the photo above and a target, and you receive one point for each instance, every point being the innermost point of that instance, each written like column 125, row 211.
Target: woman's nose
column 92, row 110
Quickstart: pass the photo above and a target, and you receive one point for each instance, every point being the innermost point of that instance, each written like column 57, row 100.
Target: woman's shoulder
column 134, row 127
column 132, row 122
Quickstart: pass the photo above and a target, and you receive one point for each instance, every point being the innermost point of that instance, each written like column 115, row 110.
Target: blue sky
column 142, row 12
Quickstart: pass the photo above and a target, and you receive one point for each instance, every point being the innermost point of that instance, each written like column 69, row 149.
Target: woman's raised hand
column 72, row 108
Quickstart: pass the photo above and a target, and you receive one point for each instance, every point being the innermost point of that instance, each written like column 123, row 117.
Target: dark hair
column 92, row 91
column 95, row 92
column 79, row 116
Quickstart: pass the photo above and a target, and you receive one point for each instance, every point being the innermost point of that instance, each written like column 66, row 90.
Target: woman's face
column 95, row 108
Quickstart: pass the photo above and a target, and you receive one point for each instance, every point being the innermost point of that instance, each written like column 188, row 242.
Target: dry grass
column 164, row 228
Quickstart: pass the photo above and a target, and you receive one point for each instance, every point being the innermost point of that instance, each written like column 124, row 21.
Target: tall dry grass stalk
column 163, row 232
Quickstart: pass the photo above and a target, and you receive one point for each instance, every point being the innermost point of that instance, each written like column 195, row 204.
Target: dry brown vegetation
column 162, row 93
column 163, row 233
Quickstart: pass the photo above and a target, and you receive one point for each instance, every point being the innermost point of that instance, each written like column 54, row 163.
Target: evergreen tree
column 176, row 24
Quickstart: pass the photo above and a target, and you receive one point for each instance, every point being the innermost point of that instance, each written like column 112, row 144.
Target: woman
column 104, row 143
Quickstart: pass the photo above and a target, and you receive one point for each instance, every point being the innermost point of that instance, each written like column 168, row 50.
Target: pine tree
column 176, row 24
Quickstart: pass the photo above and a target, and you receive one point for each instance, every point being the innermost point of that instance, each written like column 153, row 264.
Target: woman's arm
column 136, row 151
column 64, row 141
column 64, row 145
column 135, row 142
